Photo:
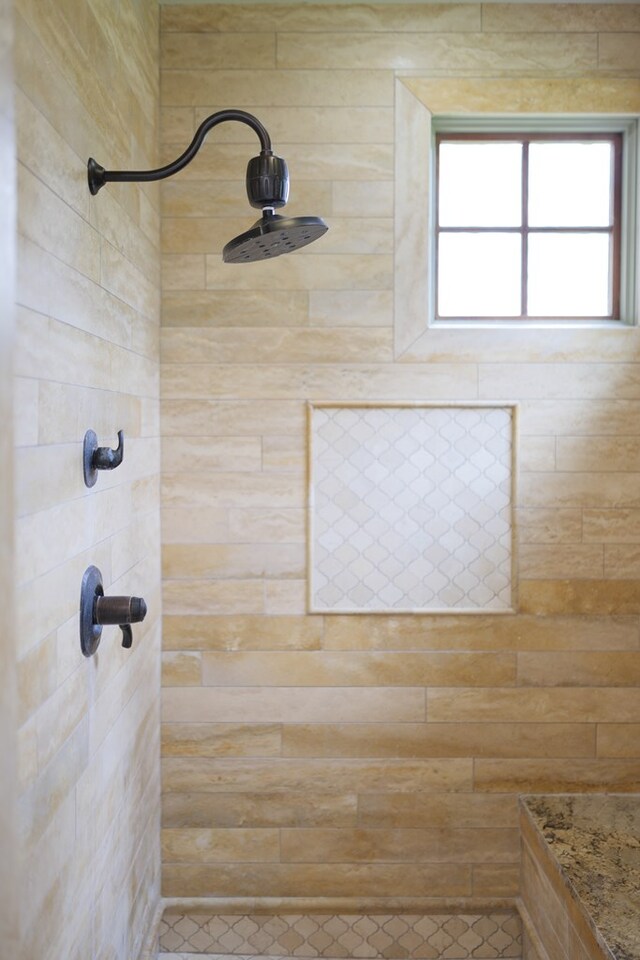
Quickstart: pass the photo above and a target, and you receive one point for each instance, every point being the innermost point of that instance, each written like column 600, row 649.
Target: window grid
column 524, row 230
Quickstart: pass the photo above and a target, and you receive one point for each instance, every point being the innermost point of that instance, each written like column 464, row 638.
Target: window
column 528, row 225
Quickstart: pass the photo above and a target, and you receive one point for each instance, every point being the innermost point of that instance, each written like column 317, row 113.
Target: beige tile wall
column 87, row 357
column 362, row 756
column 8, row 712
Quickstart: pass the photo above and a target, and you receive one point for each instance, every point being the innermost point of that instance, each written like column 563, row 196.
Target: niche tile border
column 370, row 460
column 337, row 936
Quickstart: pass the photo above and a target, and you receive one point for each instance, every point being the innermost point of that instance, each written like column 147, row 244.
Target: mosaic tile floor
column 184, row 936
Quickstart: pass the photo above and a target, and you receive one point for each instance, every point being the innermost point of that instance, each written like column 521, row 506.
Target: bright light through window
column 528, row 226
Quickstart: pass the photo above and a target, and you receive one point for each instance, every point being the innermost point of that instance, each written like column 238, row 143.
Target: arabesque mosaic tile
column 332, row 937
column 410, row 508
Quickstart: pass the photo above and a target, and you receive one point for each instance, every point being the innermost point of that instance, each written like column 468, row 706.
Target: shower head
column 271, row 236
column 267, row 184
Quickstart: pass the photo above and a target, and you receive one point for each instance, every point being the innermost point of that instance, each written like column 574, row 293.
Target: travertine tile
column 63, row 713
column 598, row 453
column 548, row 705
column 621, row 561
column 557, row 776
column 611, row 526
column 36, row 674
column 618, row 52
column 560, row 380
column 497, row 880
column 589, row 490
column 339, row 161
column 213, row 454
column 313, row 271
column 600, row 597
column 358, row 669
column 283, row 455
column 272, row 526
column 620, row 740
column 285, row 597
column 439, row 740
column 198, row 845
column 48, row 221
column 311, row 125
column 88, row 287
column 325, row 776
column 579, row 669
column 414, row 845
column 413, row 811
column 552, row 526
column 277, row 345
column 538, row 455
column 529, row 95
column 215, row 418
column 224, row 308
column 546, row 561
column 233, row 561
column 364, row 308
column 221, row 739
column 350, row 382
column 559, row 632
column 191, row 51
column 242, row 633
column 556, row 18
column 487, row 53
column 213, row 596
column 318, row 880
column 584, row 418
column 181, row 669
column 198, row 525
column 183, row 271
column 274, row 704
column 241, row 17
column 245, row 353
column 259, row 810
column 289, row 88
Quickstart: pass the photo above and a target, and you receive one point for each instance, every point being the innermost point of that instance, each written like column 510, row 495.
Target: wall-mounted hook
column 96, row 458
column 97, row 611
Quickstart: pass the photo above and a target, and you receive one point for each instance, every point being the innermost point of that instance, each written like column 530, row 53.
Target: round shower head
column 272, row 236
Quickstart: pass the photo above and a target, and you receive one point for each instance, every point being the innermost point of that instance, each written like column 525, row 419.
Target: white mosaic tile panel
column 410, row 509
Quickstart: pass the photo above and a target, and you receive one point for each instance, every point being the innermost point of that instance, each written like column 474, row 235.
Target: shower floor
column 187, row 935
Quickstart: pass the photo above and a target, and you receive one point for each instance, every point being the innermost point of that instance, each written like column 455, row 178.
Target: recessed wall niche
column 410, row 508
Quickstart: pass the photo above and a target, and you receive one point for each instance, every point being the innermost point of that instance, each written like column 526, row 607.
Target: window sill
column 560, row 324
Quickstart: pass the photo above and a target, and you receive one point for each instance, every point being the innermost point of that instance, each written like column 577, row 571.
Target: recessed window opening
column 528, row 226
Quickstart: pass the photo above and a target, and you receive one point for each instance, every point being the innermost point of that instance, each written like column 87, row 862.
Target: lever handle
column 96, row 610
column 100, row 458
column 104, row 458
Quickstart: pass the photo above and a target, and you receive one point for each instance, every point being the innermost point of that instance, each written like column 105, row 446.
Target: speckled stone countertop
column 595, row 839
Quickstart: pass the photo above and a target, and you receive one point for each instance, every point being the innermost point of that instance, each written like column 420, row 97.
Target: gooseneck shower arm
column 267, row 182
column 98, row 176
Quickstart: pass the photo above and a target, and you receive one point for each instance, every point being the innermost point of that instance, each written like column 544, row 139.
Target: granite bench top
column 595, row 839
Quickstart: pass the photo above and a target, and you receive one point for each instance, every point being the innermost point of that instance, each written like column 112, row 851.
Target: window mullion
column 524, row 308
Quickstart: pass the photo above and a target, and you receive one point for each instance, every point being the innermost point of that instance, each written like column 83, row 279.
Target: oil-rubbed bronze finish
column 97, row 611
column 96, row 458
column 267, row 183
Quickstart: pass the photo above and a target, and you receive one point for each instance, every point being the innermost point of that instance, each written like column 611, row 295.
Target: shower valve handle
column 104, row 458
column 96, row 458
column 97, row 611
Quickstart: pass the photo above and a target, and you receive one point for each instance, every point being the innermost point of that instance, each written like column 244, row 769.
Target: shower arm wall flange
column 98, row 176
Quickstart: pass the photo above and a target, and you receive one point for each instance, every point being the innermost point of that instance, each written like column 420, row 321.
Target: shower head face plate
column 272, row 236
